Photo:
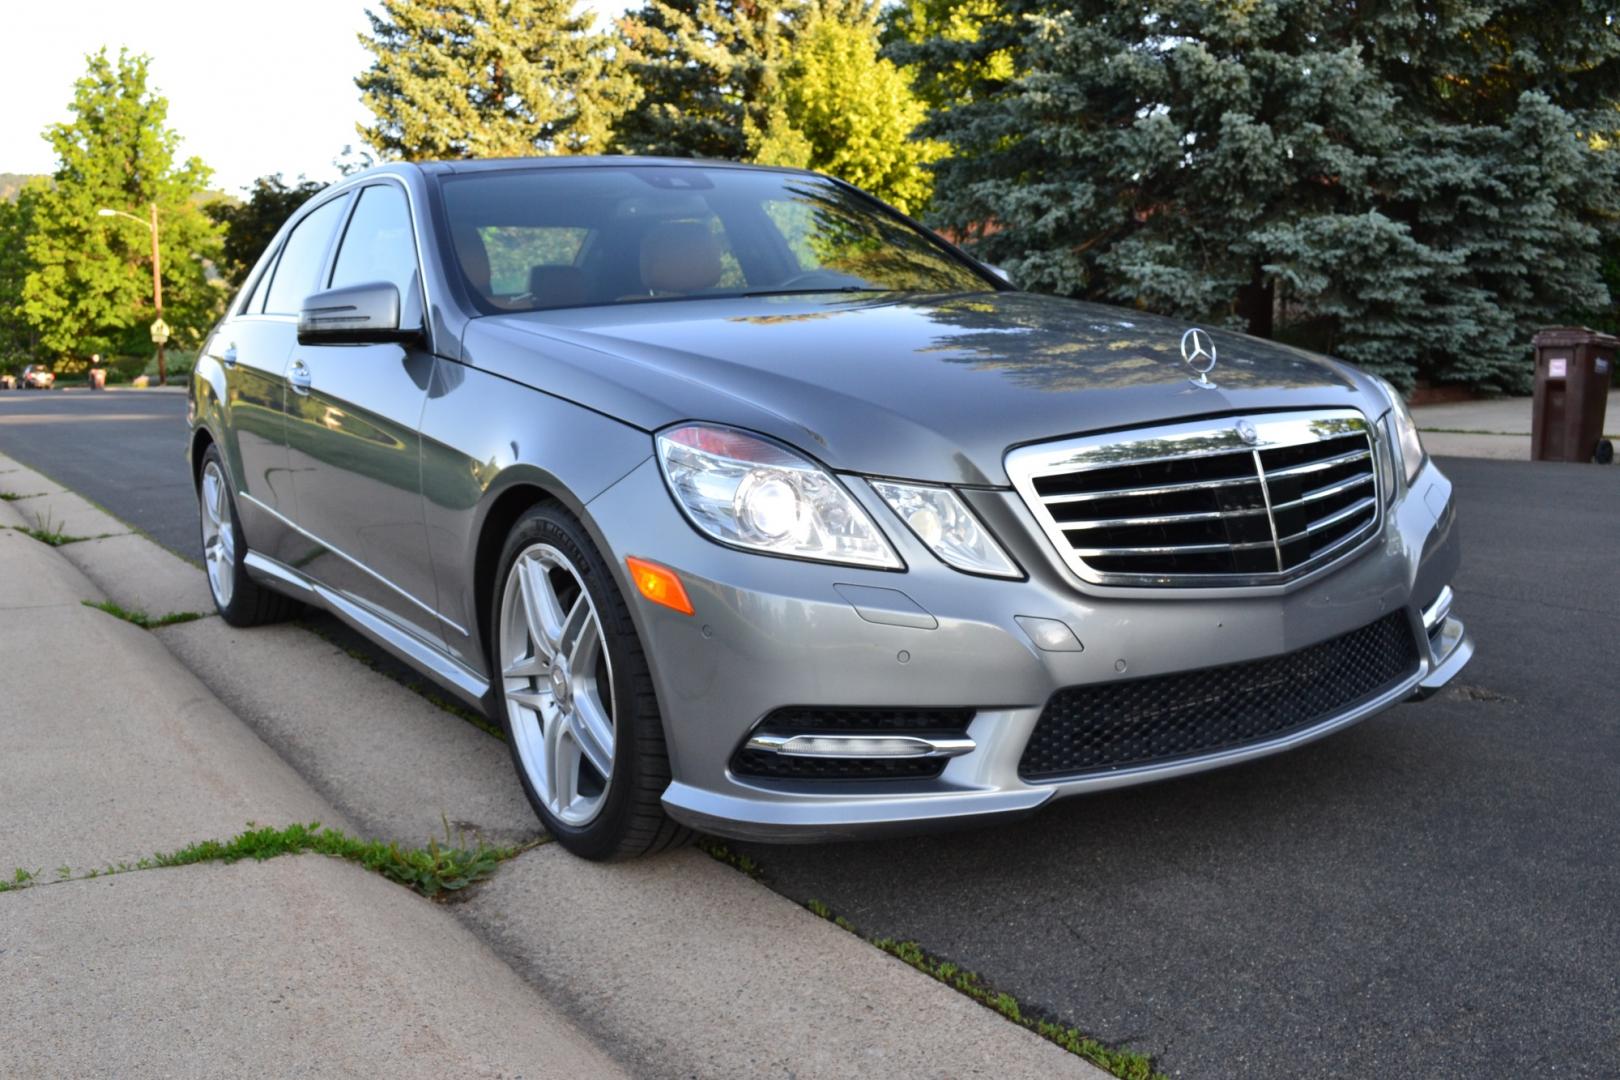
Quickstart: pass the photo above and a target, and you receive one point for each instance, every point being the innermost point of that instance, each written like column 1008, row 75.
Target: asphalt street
column 122, row 449
column 1433, row 893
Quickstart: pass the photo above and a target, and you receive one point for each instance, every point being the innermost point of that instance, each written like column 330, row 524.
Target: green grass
column 1126, row 1064
column 141, row 618
column 436, row 871
column 48, row 534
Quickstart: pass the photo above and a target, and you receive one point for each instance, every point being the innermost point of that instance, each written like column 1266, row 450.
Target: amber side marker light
column 659, row 584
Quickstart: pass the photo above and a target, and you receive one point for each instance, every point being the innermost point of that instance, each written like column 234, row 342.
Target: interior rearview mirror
column 353, row 315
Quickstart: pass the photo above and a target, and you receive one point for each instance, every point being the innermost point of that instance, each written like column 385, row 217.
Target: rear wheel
column 241, row 601
column 576, row 695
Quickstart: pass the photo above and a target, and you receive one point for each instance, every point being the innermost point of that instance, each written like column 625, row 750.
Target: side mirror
column 353, row 315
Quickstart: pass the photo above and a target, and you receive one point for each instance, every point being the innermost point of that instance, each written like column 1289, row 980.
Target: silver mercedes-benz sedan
column 748, row 505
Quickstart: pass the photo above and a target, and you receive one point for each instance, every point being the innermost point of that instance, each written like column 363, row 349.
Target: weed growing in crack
column 141, row 618
column 437, row 871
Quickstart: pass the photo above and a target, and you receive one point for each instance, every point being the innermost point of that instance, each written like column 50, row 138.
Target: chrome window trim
column 345, row 556
column 1195, row 439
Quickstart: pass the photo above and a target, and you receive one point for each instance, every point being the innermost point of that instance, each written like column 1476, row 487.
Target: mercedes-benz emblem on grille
column 1198, row 350
column 1246, row 432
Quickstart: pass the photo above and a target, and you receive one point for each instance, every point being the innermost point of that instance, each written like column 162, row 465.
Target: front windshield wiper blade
column 811, row 291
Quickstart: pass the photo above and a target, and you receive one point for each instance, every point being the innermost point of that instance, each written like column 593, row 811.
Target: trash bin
column 98, row 378
column 1573, row 366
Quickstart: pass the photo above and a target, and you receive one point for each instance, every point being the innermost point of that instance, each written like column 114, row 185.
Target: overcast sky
column 253, row 88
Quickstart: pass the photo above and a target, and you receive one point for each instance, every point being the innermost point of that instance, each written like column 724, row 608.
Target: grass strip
column 1126, row 1064
column 141, row 618
column 434, row 871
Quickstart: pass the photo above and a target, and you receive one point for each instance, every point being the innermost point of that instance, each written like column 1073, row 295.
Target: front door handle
column 299, row 378
column 228, row 357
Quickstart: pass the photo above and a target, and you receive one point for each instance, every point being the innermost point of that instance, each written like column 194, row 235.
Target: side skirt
column 450, row 673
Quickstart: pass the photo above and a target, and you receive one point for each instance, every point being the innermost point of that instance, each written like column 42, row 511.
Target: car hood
column 925, row 388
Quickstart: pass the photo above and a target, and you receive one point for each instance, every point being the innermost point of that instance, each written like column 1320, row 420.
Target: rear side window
column 378, row 244
column 297, row 274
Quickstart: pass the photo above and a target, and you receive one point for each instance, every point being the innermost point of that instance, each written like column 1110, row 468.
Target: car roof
column 592, row 161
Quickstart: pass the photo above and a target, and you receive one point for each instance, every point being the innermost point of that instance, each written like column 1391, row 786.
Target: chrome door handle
column 228, row 357
column 299, row 377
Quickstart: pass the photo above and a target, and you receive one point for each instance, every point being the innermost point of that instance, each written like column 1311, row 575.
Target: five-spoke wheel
column 575, row 694
column 559, row 683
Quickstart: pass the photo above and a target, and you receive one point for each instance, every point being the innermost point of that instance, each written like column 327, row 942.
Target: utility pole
column 157, row 299
column 160, row 329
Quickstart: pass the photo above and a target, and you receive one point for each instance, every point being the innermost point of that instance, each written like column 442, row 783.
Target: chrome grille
column 1199, row 504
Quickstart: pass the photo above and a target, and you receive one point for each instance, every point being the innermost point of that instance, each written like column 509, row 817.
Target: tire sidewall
column 549, row 524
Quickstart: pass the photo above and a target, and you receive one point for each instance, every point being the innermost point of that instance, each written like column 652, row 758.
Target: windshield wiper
column 809, row 291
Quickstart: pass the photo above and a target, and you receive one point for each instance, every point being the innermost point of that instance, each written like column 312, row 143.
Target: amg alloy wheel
column 240, row 600
column 559, row 684
column 576, row 695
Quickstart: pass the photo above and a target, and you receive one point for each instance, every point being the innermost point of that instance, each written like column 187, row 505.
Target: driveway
column 1433, row 893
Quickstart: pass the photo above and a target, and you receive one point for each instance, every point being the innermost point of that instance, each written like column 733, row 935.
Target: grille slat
column 1085, row 730
column 1200, row 504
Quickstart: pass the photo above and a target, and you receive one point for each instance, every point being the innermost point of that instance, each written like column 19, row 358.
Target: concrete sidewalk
column 676, row 966
column 301, row 965
column 1495, row 428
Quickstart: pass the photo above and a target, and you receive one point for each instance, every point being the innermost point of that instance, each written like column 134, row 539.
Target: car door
column 253, row 349
column 352, row 440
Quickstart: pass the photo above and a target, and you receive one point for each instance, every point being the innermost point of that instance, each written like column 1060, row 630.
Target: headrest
column 679, row 257
column 474, row 258
column 557, row 286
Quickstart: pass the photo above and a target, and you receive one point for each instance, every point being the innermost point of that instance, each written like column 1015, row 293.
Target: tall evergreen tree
column 89, row 288
column 853, row 109
column 1412, row 189
column 489, row 78
column 710, row 73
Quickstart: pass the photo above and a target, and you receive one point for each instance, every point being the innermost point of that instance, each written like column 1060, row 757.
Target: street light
column 160, row 330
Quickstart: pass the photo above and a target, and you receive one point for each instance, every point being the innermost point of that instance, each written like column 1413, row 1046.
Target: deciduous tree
column 89, row 286
column 251, row 224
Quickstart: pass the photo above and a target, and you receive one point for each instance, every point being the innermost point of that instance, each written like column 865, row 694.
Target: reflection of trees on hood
column 1045, row 344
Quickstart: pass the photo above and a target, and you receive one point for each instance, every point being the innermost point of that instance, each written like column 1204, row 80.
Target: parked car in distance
column 747, row 505
column 36, row 377
column 8, row 381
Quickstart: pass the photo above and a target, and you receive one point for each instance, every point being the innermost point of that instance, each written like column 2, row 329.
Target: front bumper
column 770, row 633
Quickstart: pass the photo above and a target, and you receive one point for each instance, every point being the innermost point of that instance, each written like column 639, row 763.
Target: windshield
column 526, row 240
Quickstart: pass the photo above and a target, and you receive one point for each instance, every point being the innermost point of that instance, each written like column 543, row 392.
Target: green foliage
column 710, row 73
column 489, row 78
column 19, row 341
column 250, row 225
column 88, row 287
column 854, row 110
column 1413, row 191
column 798, row 83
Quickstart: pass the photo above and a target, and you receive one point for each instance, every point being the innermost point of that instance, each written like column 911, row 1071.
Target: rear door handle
column 299, row 377
column 228, row 357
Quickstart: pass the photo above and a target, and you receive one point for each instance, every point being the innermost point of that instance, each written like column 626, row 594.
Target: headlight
column 752, row 493
column 1405, row 431
column 942, row 521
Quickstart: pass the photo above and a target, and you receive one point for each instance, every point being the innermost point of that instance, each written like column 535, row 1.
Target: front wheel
column 576, row 695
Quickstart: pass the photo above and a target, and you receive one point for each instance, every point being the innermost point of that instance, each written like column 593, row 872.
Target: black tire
column 631, row 820
column 249, row 603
